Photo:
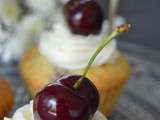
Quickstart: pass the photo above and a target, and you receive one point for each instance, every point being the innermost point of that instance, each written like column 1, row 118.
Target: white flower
column 3, row 38
column 26, row 33
column 9, row 11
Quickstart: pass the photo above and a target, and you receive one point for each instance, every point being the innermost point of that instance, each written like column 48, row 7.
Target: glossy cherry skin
column 84, row 17
column 60, row 101
column 87, row 90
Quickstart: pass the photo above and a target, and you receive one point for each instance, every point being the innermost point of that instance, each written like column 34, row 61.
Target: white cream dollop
column 70, row 51
column 26, row 113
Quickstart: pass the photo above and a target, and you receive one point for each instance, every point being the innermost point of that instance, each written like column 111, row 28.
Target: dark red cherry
column 60, row 101
column 83, row 16
column 87, row 89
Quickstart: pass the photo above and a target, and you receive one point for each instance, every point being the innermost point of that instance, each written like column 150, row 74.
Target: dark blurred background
column 144, row 15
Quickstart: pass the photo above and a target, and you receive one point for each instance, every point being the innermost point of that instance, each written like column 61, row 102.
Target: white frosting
column 70, row 51
column 26, row 113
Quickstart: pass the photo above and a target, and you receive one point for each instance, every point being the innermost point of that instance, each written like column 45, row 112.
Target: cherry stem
column 119, row 30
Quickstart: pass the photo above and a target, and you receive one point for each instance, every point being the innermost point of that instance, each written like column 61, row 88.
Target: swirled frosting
column 26, row 113
column 70, row 51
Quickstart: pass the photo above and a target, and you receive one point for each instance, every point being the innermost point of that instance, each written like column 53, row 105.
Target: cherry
column 60, row 100
column 84, row 17
column 87, row 89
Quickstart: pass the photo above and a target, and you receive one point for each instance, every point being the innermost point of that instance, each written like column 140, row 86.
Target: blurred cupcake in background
column 66, row 49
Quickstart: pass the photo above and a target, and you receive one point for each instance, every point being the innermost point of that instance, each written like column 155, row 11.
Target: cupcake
column 59, row 101
column 67, row 47
column 6, row 98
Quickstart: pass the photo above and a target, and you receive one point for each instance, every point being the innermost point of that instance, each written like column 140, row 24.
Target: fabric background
column 144, row 15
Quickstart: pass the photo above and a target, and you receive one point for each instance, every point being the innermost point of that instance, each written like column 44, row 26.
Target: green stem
column 99, row 49
column 120, row 29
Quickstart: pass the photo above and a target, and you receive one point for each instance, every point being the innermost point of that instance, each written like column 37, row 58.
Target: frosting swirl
column 70, row 51
column 26, row 113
